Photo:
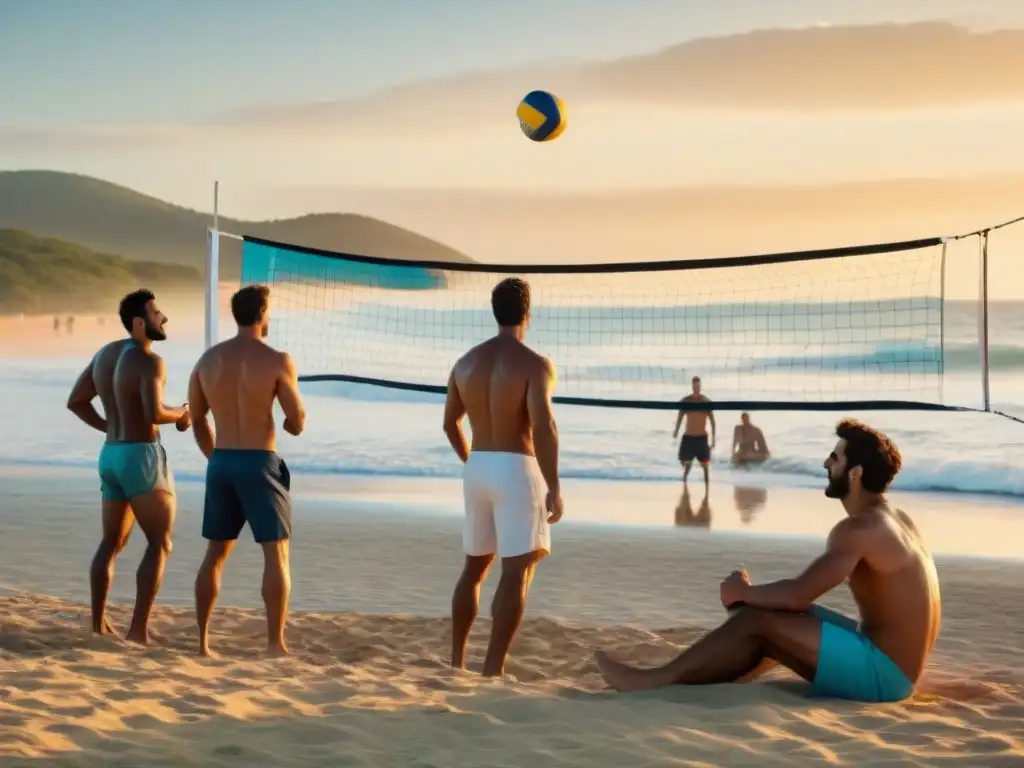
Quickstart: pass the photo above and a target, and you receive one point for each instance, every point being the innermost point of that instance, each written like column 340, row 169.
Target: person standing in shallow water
column 136, row 482
column 876, row 549
column 694, row 444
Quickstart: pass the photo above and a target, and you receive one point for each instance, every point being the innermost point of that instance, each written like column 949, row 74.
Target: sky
column 71, row 62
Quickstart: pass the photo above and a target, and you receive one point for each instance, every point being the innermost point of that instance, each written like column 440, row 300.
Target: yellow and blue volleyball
column 541, row 116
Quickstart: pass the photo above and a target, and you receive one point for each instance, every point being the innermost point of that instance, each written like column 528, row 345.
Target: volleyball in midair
column 541, row 116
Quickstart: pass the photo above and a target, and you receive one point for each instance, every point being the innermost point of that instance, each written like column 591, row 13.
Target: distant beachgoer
column 238, row 381
column 877, row 550
column 748, row 443
column 135, row 479
column 694, row 444
column 70, row 324
column 510, row 479
column 56, row 324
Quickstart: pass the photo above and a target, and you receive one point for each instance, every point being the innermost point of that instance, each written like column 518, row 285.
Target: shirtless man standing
column 135, row 480
column 246, row 481
column 877, row 550
column 748, row 443
column 510, row 479
column 694, row 444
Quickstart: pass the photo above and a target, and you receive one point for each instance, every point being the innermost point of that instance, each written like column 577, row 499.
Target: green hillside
column 113, row 219
column 42, row 275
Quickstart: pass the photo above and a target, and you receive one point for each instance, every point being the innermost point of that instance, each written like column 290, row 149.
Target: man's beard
column 153, row 333
column 838, row 487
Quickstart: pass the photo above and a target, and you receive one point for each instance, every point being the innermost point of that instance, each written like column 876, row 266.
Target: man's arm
column 761, row 442
column 735, row 439
column 152, row 391
column 844, row 551
column 454, row 410
column 289, row 398
column 711, row 418
column 679, row 417
column 200, row 409
column 542, row 420
column 81, row 397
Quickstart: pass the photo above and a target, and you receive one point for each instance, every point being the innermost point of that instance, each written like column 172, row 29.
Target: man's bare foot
column 140, row 636
column 276, row 651
column 622, row 677
column 206, row 653
column 106, row 628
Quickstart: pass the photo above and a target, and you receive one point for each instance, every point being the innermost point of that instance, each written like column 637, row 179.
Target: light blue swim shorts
column 850, row 666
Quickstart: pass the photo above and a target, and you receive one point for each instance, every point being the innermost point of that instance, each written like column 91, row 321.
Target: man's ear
column 856, row 472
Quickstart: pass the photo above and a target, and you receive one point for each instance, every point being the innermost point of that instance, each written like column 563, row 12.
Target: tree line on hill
column 44, row 275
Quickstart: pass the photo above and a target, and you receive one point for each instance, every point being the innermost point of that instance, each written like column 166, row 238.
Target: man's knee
column 475, row 568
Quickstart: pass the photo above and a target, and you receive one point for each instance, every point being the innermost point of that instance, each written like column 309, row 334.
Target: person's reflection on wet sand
column 749, row 501
column 685, row 516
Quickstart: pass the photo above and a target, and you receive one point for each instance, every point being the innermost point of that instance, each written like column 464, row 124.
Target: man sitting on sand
column 510, row 480
column 135, row 480
column 748, row 443
column 246, row 481
column 877, row 550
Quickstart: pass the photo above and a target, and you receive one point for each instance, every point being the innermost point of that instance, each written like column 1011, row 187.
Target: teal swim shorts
column 850, row 666
column 128, row 470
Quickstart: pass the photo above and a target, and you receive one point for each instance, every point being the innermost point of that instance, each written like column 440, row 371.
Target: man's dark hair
column 249, row 304
column 510, row 301
column 134, row 305
column 872, row 451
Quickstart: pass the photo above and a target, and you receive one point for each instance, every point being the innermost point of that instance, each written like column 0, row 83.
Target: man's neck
column 515, row 332
column 251, row 332
column 143, row 342
column 863, row 504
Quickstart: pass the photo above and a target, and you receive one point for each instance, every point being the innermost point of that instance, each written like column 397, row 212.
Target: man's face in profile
column 155, row 321
column 838, row 473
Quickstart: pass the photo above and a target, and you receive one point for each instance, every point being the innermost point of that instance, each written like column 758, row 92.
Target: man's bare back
column 895, row 585
column 239, row 380
column 134, row 406
column 493, row 380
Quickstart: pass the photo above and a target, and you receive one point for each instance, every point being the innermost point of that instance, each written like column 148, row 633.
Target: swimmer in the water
column 748, row 443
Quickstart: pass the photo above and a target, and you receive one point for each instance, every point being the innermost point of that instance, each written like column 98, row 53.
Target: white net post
column 212, row 281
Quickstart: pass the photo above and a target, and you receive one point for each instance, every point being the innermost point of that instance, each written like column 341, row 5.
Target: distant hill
column 113, row 219
column 48, row 275
column 881, row 66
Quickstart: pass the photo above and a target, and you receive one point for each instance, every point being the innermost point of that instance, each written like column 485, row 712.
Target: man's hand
column 733, row 589
column 185, row 421
column 712, row 446
column 554, row 506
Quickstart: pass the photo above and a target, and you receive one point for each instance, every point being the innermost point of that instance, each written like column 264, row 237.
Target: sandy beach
column 367, row 684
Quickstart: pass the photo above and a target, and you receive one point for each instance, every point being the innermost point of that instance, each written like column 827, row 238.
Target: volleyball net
column 856, row 328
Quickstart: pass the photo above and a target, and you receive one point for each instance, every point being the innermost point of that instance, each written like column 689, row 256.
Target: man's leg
column 155, row 513
column 208, row 587
column 263, row 489
column 508, row 607
column 118, row 521
column 222, row 522
column 730, row 653
column 277, row 587
column 466, row 604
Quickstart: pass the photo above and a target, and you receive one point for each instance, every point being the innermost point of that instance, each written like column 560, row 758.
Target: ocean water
column 363, row 430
